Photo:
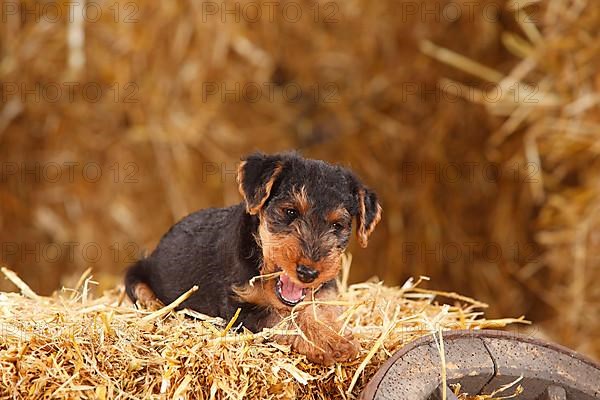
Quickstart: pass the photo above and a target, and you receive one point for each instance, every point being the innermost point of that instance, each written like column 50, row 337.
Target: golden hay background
column 159, row 143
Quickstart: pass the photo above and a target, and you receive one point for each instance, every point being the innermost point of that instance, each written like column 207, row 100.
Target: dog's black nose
column 306, row 274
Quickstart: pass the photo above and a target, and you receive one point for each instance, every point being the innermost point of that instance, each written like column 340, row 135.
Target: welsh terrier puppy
column 293, row 227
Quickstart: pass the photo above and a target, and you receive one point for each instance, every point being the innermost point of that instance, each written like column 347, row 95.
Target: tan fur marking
column 375, row 220
column 262, row 294
column 337, row 215
column 363, row 239
column 268, row 186
column 281, row 251
column 302, row 201
column 240, row 178
column 146, row 297
column 364, row 231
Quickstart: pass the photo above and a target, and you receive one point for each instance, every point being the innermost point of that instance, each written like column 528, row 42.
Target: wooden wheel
column 482, row 362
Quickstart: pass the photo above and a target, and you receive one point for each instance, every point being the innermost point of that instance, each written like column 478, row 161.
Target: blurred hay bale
column 550, row 101
column 76, row 345
column 162, row 143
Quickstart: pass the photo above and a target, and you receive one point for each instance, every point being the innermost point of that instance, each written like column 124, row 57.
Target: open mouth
column 288, row 292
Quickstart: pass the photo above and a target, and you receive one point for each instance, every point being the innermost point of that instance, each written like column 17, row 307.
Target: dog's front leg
column 321, row 339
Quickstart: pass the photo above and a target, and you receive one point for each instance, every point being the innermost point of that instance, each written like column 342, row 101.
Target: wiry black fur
column 216, row 248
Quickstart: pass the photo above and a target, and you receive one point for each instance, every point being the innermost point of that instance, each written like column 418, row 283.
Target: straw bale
column 163, row 141
column 74, row 344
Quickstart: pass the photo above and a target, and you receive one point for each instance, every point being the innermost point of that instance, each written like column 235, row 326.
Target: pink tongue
column 289, row 289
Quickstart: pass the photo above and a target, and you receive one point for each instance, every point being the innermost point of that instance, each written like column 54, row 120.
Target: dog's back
column 195, row 251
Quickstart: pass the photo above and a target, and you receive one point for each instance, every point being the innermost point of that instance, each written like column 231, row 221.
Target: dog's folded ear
column 256, row 175
column 368, row 210
column 369, row 215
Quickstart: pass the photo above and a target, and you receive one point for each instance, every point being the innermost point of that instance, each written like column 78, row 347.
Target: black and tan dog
column 296, row 220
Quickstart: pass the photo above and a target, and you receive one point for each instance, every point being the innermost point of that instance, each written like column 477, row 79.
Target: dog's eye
column 291, row 213
column 337, row 226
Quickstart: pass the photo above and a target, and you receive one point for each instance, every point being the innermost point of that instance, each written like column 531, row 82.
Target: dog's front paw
column 326, row 347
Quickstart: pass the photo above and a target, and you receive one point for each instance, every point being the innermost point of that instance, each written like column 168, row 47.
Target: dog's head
column 306, row 208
